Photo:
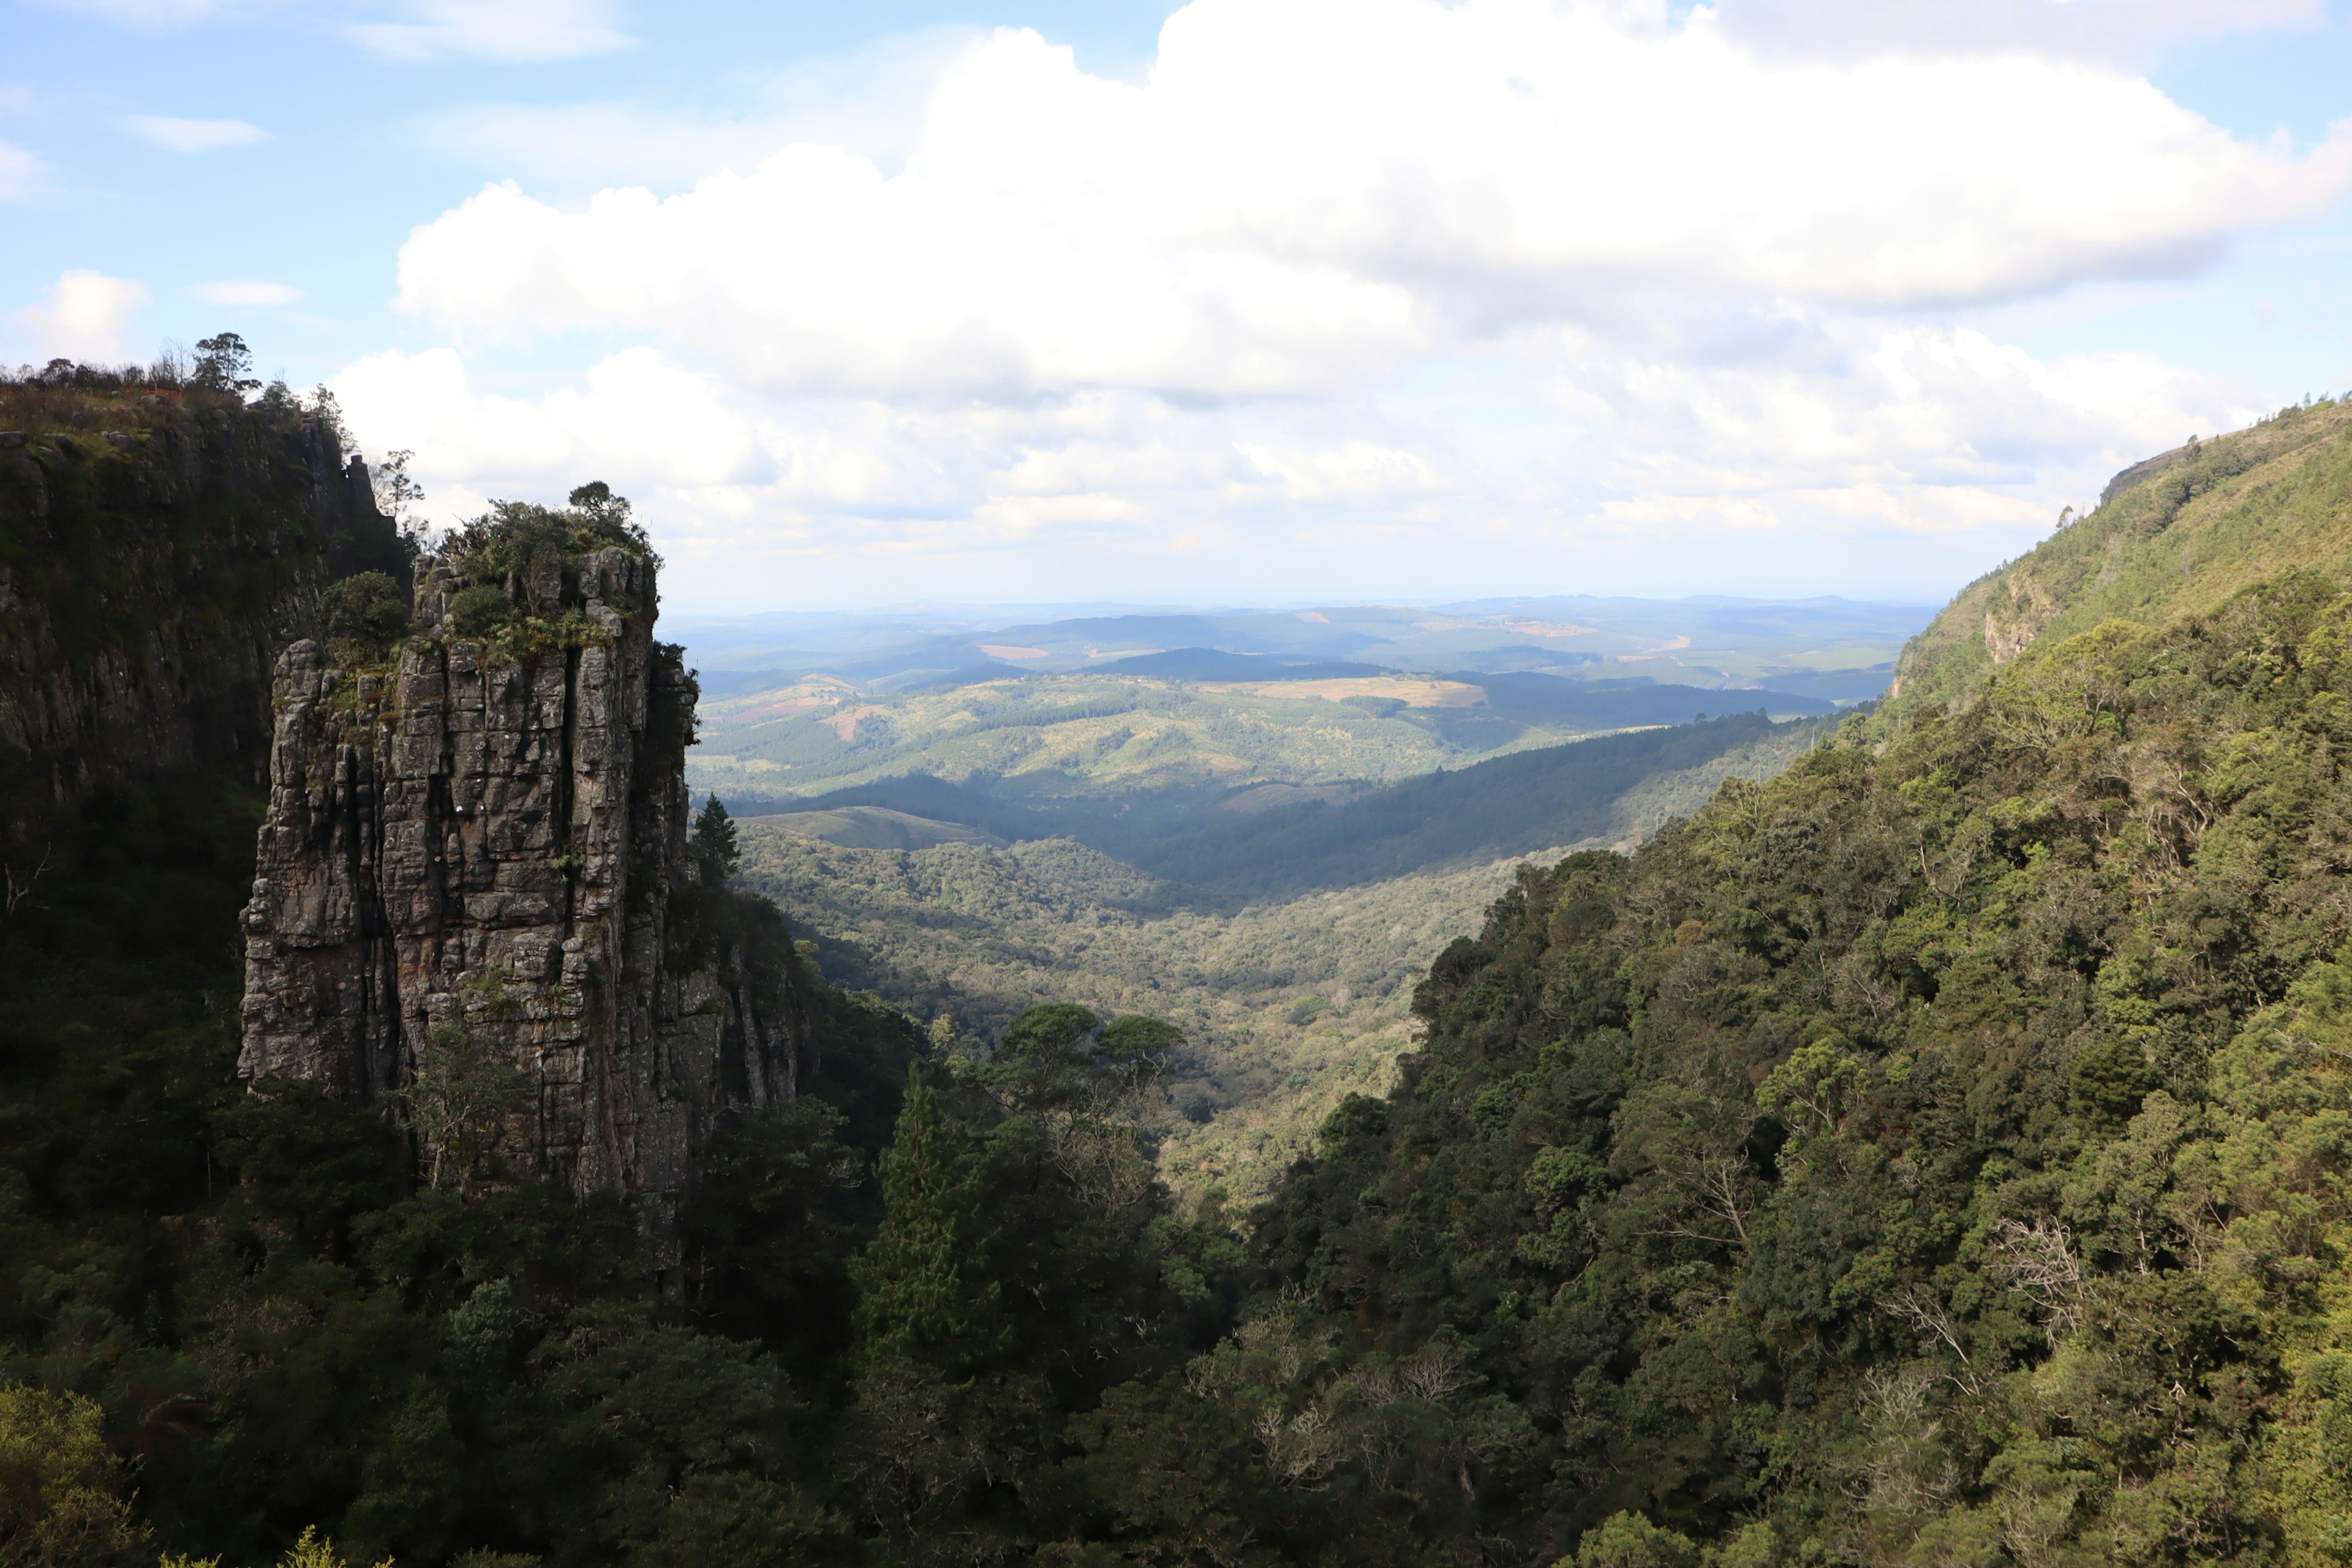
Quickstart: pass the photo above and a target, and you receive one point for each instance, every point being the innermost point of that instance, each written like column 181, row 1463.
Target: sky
column 1236, row 301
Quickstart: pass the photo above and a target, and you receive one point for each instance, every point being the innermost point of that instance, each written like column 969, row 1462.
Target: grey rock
column 501, row 839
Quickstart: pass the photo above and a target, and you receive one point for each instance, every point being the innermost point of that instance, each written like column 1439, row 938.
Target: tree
column 916, row 1298
column 224, row 364
column 464, row 1090
column 713, row 843
column 364, row 615
column 397, row 493
column 595, row 500
column 329, row 410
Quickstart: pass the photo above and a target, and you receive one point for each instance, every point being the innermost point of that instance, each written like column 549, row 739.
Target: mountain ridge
column 2173, row 535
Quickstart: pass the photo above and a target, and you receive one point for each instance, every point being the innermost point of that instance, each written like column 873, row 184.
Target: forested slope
column 1937, row 1154
column 2174, row 535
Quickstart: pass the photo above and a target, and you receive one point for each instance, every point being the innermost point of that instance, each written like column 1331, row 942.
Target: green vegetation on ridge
column 2174, row 535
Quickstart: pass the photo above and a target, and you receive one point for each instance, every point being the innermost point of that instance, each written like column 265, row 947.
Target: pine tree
column 923, row 1291
column 714, row 845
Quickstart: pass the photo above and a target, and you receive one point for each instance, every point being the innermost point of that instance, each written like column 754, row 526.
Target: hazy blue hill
column 1697, row 642
column 1609, row 705
column 1511, row 806
column 1217, row 664
column 1613, row 789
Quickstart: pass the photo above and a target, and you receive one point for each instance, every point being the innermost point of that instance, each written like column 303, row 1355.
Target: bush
column 479, row 610
column 364, row 614
column 58, row 1485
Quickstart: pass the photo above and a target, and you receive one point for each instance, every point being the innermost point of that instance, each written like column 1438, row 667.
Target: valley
column 1283, row 935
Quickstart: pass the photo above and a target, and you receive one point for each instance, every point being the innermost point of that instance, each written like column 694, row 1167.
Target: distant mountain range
column 1837, row 650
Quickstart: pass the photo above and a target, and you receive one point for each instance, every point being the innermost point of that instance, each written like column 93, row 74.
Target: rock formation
column 483, row 840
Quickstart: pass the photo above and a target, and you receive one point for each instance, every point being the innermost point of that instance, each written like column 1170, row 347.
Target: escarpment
column 156, row 551
column 477, row 841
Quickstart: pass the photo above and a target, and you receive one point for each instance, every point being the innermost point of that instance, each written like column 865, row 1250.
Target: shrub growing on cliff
column 479, row 610
column 505, row 540
column 364, row 615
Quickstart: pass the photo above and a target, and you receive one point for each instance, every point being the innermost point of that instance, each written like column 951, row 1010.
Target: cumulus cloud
column 176, row 135
column 634, row 417
column 1307, row 193
column 427, row 30
column 1881, row 456
column 84, row 317
column 1386, row 297
column 244, row 291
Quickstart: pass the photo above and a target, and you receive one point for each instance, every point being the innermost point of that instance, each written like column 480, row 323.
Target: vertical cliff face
column 482, row 842
column 154, row 557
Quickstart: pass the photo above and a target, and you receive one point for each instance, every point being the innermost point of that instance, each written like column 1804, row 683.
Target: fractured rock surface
column 498, row 839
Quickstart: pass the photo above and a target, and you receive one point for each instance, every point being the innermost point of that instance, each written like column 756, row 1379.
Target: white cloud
column 495, row 29
column 1906, row 457
column 1307, row 193
column 244, row 291
column 1386, row 297
column 2120, row 30
column 84, row 317
column 635, row 418
column 176, row 135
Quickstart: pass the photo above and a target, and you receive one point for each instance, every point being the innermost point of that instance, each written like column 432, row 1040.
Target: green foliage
column 712, row 842
column 479, row 609
column 1938, row 1153
column 924, row 1294
column 364, row 615
column 971, row 936
column 1928, row 1155
column 311, row 1549
column 463, row 1093
column 1629, row 1541
column 60, row 1489
column 518, row 567
column 516, row 537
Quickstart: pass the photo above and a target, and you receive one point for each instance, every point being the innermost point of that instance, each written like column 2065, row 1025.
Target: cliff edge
column 158, row 545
